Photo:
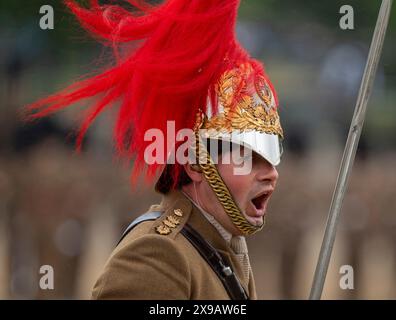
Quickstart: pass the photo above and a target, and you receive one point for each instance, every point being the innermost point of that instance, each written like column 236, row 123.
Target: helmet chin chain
column 221, row 190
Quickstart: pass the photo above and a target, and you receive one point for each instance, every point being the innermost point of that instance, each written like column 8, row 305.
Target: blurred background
column 68, row 210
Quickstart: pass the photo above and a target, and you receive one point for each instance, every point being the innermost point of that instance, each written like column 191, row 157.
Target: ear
column 194, row 172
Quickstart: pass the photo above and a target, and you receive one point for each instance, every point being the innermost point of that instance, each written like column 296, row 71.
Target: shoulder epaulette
column 173, row 219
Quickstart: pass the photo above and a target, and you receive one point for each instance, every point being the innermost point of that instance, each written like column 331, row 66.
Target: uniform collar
column 227, row 236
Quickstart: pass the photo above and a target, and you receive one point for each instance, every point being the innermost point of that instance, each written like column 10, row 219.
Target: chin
column 254, row 217
column 256, row 221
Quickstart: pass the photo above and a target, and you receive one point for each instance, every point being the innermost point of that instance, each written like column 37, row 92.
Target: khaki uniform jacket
column 148, row 265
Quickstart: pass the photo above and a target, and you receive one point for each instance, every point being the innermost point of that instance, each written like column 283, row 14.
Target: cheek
column 209, row 195
column 208, row 192
column 239, row 185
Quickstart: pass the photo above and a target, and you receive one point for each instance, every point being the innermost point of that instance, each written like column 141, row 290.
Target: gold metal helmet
column 246, row 115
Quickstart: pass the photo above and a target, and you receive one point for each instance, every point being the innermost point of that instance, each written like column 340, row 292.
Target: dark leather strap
column 216, row 261
column 153, row 215
column 207, row 251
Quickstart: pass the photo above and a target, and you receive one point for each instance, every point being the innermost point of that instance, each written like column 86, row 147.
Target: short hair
column 166, row 181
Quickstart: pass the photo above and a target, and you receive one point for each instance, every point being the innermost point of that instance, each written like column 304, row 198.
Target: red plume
column 180, row 53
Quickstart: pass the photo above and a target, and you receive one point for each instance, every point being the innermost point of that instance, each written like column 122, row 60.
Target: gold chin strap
column 218, row 186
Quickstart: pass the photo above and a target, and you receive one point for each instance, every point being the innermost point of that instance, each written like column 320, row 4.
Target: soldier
column 190, row 70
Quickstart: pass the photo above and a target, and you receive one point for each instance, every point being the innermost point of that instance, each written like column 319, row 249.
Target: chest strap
column 148, row 216
column 207, row 251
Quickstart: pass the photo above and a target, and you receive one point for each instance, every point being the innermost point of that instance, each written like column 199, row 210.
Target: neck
column 223, row 232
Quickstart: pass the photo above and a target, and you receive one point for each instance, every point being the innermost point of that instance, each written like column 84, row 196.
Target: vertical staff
column 350, row 149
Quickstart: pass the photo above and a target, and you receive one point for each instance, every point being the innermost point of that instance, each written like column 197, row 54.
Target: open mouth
column 260, row 201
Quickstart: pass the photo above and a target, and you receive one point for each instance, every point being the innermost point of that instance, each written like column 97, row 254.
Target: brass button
column 173, row 220
column 163, row 230
column 169, row 224
column 178, row 212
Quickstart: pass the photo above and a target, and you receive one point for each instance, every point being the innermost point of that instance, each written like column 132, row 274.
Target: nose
column 267, row 172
